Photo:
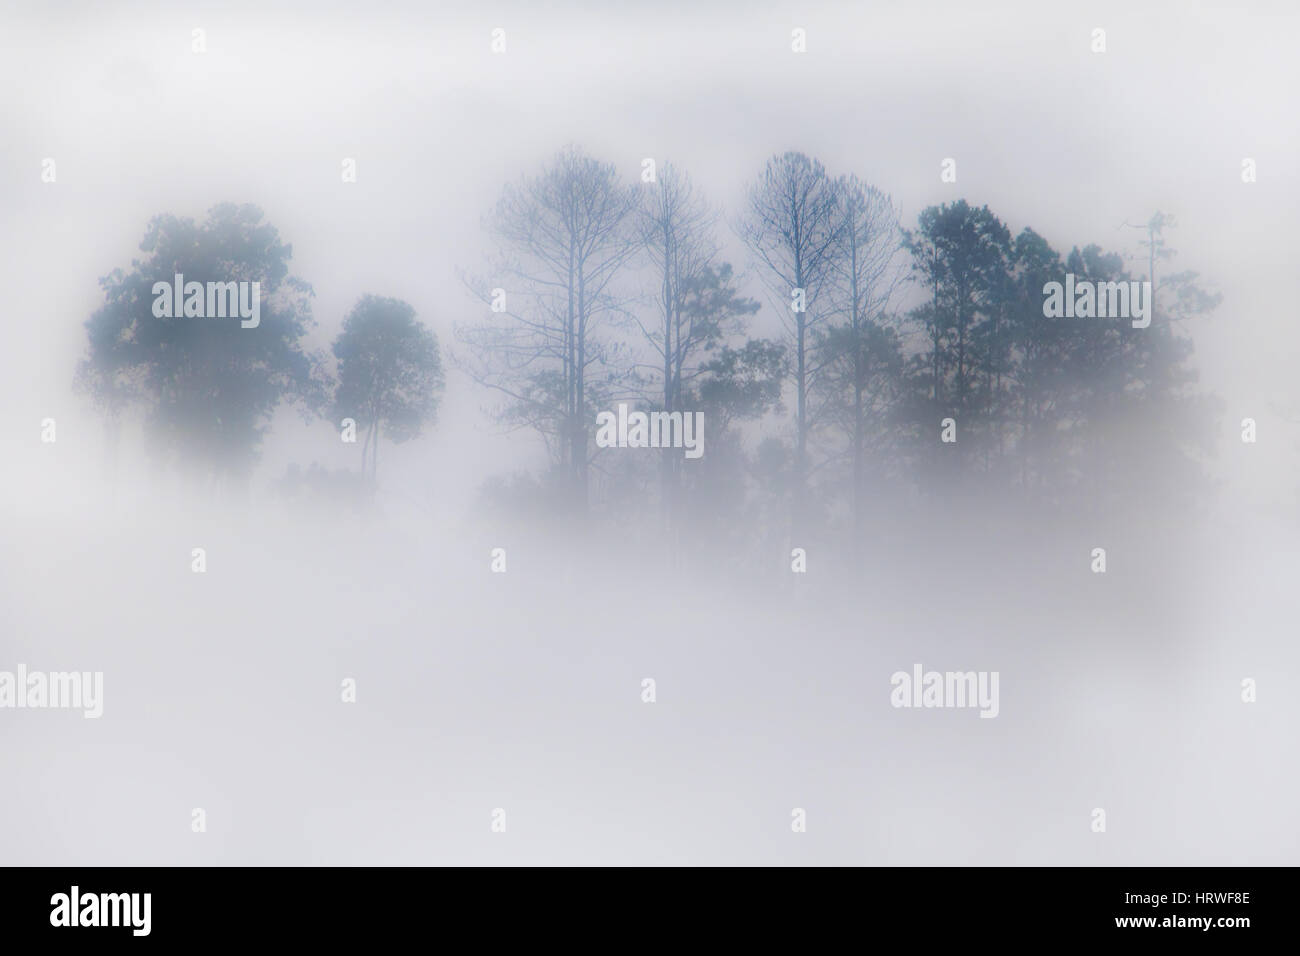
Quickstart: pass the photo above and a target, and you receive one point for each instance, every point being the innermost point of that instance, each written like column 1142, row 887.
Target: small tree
column 390, row 373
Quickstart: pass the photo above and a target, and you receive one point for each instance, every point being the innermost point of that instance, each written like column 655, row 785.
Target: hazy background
column 521, row 690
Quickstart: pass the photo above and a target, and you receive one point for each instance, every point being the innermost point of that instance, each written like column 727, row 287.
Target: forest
column 838, row 358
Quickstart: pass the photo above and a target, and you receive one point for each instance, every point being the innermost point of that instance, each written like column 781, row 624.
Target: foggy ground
column 522, row 691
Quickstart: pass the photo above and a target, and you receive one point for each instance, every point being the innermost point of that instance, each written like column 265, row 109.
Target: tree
column 791, row 225
column 707, row 310
column 736, row 385
column 676, row 228
column 564, row 237
column 857, row 389
column 860, row 361
column 390, row 373
column 207, row 387
column 1040, row 360
column 742, row 384
column 961, row 255
column 1058, row 406
column 1127, row 395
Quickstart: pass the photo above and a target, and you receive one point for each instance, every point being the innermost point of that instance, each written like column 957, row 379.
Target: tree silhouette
column 207, row 387
column 390, row 373
column 791, row 225
column 860, row 362
column 564, row 238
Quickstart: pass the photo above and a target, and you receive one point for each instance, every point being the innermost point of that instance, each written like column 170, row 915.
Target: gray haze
column 522, row 691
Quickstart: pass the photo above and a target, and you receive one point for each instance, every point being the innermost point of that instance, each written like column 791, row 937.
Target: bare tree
column 866, row 273
column 791, row 225
column 564, row 237
column 676, row 227
column 696, row 306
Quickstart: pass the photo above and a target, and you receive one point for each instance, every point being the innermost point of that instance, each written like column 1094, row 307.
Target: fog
column 523, row 691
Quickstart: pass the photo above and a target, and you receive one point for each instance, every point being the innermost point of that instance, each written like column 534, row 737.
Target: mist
column 339, row 666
